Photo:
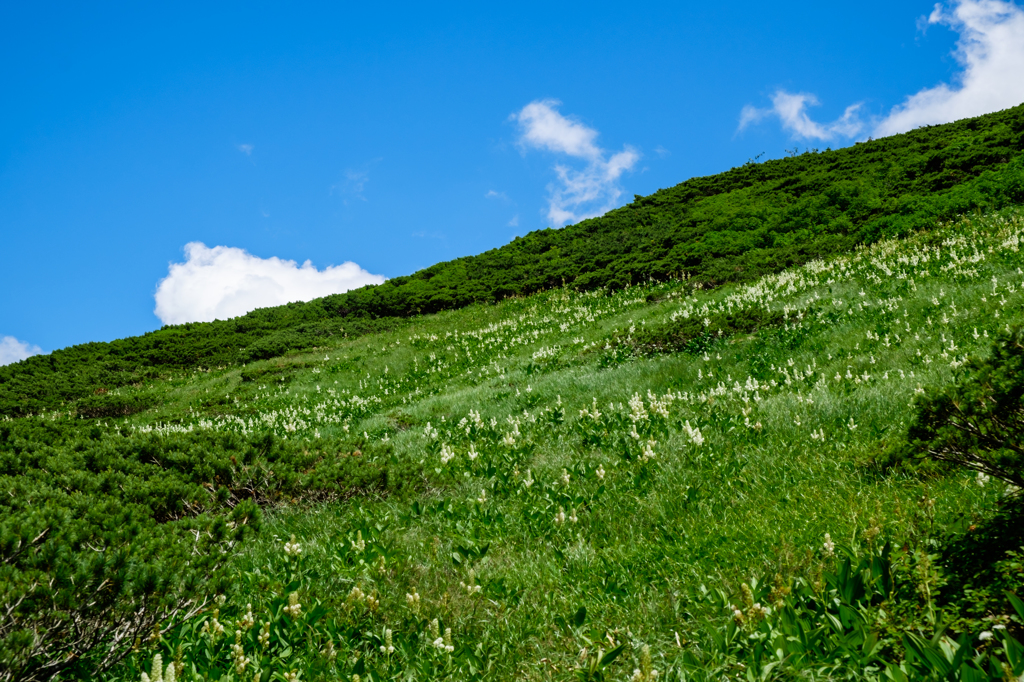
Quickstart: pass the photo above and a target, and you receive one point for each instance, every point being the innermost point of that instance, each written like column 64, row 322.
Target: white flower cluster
column 412, row 600
column 247, row 620
column 693, row 433
column 292, row 549
column 646, row 671
column 158, row 673
column 471, row 587
column 443, row 643
column 241, row 661
column 829, row 546
column 294, row 608
column 264, row 636
column 356, row 597
column 388, row 646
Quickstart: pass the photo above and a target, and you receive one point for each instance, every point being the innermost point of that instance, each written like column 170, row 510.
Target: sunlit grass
column 518, row 422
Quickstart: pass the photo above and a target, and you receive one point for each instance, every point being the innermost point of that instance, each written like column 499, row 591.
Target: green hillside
column 797, row 459
column 732, row 227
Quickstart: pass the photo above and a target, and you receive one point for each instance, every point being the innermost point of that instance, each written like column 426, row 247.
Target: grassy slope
column 734, row 226
column 789, row 418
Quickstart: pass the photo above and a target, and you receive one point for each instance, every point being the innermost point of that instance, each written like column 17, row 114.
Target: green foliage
column 696, row 336
column 978, row 422
column 104, row 536
column 867, row 613
column 731, row 227
column 283, row 629
column 983, row 559
column 112, row 405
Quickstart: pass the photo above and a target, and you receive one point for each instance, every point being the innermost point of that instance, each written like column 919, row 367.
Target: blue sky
column 397, row 136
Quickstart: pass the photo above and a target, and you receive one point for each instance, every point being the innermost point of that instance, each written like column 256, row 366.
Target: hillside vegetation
column 657, row 482
column 732, row 227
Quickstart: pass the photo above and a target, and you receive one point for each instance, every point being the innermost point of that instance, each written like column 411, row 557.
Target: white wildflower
column 294, row 608
column 292, row 548
column 829, row 546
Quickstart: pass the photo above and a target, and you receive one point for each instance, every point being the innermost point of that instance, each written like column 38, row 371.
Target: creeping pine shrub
column 105, row 536
column 110, row 405
column 695, row 336
column 977, row 422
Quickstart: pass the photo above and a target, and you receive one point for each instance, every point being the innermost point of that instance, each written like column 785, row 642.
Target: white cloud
column 580, row 192
column 491, row 194
column 13, row 350
column 245, row 149
column 224, row 282
column 791, row 110
column 991, row 55
column 515, row 221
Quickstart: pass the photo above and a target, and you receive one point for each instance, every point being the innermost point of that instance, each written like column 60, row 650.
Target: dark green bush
column 112, row 405
column 694, row 335
column 103, row 536
column 983, row 561
column 977, row 422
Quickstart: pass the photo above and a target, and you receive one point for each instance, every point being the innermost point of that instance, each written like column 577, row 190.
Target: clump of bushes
column 105, row 535
column 109, row 405
column 694, row 335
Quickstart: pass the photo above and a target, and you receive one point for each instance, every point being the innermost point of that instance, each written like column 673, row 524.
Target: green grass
column 746, row 453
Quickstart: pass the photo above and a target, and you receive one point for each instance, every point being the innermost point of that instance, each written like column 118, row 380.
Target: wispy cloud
column 990, row 52
column 491, row 194
column 791, row 110
column 353, row 184
column 224, row 282
column 13, row 350
column 245, row 149
column 580, row 192
column 515, row 221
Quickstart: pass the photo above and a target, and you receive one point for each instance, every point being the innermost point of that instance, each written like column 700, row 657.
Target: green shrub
column 112, row 406
column 103, row 536
column 695, row 336
column 978, row 422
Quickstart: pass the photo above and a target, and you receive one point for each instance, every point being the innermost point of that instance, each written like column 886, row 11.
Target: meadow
column 660, row 482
